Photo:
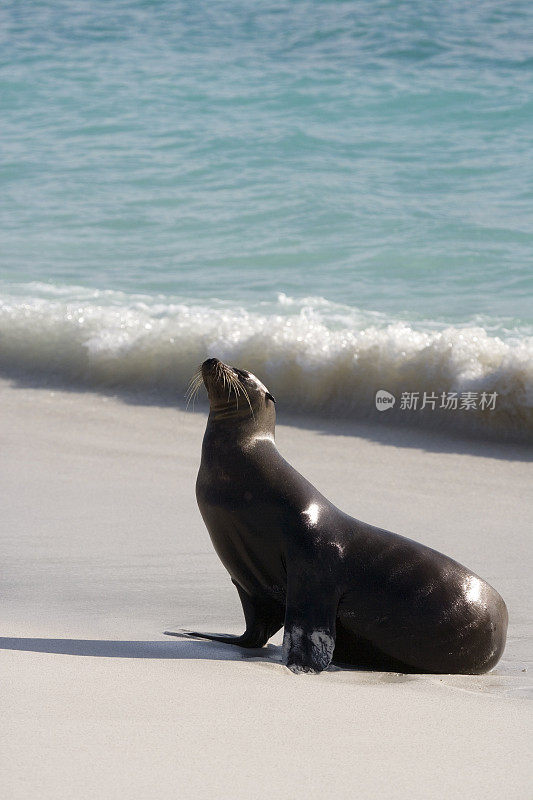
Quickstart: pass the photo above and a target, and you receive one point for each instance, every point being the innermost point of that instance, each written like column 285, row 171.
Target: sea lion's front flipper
column 309, row 638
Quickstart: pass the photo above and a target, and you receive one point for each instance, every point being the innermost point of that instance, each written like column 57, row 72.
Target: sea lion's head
column 235, row 394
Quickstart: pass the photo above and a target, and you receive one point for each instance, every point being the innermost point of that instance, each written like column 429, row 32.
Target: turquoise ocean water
column 336, row 195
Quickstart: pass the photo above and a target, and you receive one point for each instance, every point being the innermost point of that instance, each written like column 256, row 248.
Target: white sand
column 103, row 549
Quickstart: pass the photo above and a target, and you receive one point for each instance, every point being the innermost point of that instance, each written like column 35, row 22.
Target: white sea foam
column 325, row 359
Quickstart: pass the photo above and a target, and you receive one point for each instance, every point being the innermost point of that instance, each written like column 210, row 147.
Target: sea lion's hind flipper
column 263, row 618
column 241, row 641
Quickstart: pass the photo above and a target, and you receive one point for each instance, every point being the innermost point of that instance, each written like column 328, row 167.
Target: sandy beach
column 103, row 549
column 333, row 196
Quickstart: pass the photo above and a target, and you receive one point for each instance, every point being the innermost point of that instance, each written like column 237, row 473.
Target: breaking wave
column 315, row 356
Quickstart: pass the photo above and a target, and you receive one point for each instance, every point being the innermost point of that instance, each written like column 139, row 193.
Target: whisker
column 194, row 380
column 194, row 387
column 248, row 399
column 193, row 397
column 196, row 375
column 242, row 390
column 233, row 385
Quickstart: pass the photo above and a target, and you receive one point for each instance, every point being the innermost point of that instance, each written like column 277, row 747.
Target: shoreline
column 379, row 428
column 104, row 549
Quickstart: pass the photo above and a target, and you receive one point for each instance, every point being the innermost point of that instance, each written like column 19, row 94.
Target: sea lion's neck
column 233, row 431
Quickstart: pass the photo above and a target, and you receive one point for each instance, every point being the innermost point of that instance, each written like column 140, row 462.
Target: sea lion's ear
column 267, row 394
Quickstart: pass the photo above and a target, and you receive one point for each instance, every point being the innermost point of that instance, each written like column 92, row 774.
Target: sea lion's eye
column 267, row 394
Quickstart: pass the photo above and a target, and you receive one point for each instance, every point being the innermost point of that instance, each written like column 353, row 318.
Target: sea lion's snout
column 209, row 364
column 215, row 375
column 209, row 368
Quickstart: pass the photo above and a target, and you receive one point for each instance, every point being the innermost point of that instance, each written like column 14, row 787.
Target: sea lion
column 344, row 590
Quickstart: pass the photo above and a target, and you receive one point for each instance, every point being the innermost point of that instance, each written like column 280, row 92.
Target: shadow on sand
column 190, row 649
column 107, row 648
